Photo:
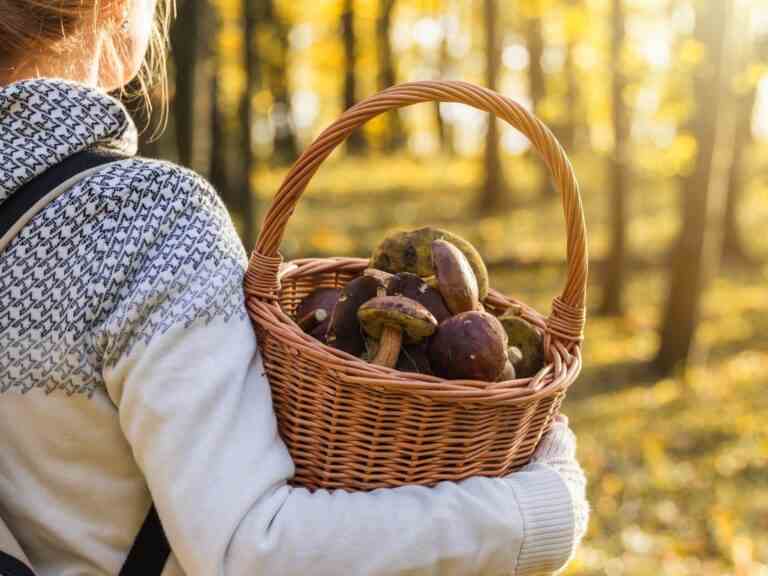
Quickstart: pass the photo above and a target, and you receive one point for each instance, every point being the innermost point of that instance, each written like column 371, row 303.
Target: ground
column 677, row 469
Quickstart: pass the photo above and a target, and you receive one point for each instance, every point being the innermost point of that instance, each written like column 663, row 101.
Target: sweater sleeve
column 181, row 364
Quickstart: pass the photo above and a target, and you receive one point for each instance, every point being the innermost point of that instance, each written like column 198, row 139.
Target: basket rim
column 560, row 371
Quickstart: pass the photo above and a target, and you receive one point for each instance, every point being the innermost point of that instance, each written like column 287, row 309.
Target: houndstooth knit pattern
column 130, row 252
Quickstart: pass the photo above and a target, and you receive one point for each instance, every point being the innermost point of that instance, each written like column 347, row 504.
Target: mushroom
column 383, row 277
column 509, row 373
column 392, row 320
column 413, row 287
column 414, row 358
column 455, row 279
column 529, row 343
column 411, row 251
column 311, row 320
column 344, row 331
column 313, row 314
column 471, row 345
column 371, row 348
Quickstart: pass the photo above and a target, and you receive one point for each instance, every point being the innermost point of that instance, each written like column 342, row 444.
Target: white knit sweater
column 128, row 367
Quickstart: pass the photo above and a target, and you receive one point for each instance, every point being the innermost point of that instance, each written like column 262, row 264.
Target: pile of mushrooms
column 418, row 308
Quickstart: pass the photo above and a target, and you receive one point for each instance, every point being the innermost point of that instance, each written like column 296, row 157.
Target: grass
column 678, row 468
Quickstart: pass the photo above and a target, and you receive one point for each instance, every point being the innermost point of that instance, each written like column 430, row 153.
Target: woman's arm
column 182, row 365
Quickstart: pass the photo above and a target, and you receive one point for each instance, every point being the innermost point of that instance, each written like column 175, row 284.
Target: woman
column 130, row 373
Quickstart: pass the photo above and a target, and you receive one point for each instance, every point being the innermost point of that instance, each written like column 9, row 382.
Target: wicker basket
column 353, row 425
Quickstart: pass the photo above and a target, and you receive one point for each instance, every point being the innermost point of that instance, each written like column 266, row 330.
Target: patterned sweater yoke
column 76, row 283
column 130, row 374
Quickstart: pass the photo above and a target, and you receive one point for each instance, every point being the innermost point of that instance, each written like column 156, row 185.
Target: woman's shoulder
column 158, row 209
column 169, row 250
column 150, row 194
column 160, row 181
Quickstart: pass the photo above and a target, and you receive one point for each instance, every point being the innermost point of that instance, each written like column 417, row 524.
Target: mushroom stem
column 389, row 346
column 312, row 319
column 508, row 373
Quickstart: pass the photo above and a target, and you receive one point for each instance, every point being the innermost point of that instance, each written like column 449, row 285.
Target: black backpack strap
column 25, row 198
column 150, row 550
column 10, row 566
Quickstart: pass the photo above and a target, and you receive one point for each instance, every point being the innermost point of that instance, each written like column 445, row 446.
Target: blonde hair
column 33, row 25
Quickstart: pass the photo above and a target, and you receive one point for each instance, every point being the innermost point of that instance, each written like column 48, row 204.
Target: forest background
column 662, row 105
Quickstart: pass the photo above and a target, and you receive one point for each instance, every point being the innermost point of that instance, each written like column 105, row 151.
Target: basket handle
column 568, row 312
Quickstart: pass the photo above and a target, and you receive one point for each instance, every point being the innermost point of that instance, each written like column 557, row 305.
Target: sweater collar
column 44, row 121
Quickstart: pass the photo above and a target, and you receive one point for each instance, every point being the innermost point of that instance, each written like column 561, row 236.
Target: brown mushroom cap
column 414, row 287
column 411, row 251
column 415, row 321
column 320, row 299
column 522, row 335
column 455, row 279
column 471, row 345
column 344, row 330
column 383, row 277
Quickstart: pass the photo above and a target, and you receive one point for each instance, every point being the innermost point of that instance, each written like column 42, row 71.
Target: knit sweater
column 130, row 373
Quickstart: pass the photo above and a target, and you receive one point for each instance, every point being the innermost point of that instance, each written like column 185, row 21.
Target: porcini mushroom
column 509, row 373
column 393, row 320
column 311, row 320
column 455, row 279
column 413, row 287
column 313, row 314
column 383, row 277
column 414, row 358
column 344, row 330
column 529, row 343
column 471, row 345
column 411, row 251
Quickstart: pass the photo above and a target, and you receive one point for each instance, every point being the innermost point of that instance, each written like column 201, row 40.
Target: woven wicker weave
column 349, row 424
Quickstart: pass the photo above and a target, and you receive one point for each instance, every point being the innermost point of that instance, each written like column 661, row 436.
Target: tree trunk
column 219, row 167
column 568, row 139
column 444, row 131
column 493, row 194
column 734, row 250
column 286, row 149
column 356, row 143
column 537, row 89
column 193, row 74
column 394, row 135
column 566, row 130
column 149, row 147
column 153, row 142
column 703, row 193
column 252, row 16
column 620, row 172
column 535, row 45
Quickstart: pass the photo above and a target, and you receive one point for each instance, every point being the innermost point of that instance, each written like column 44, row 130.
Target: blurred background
column 662, row 105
